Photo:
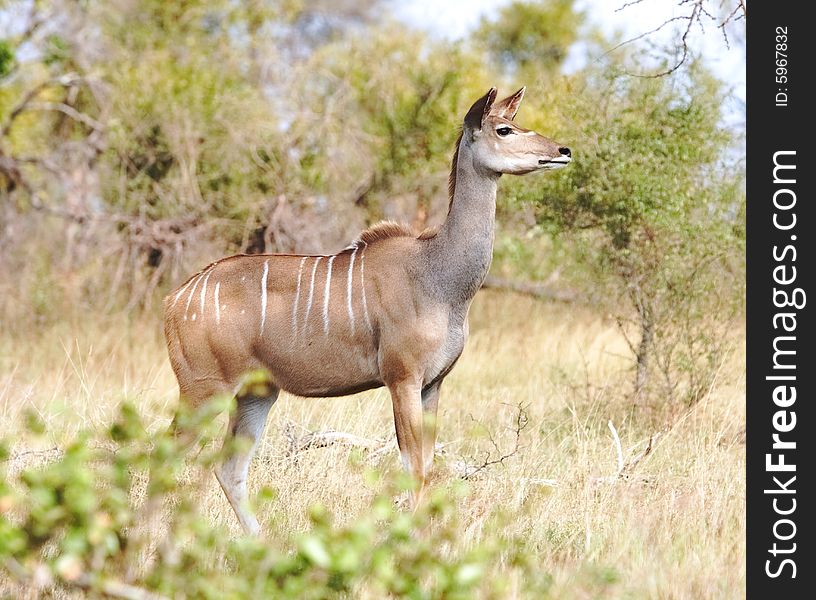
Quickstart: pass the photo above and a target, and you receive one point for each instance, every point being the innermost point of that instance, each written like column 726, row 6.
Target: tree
column 657, row 204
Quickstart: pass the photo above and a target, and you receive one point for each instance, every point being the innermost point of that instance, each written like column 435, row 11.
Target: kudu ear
column 480, row 109
column 508, row 107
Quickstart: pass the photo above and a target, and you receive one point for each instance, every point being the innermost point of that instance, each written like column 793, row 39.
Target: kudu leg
column 430, row 404
column 407, row 403
column 247, row 422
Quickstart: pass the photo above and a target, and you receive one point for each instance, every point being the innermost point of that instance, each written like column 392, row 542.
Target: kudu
column 391, row 309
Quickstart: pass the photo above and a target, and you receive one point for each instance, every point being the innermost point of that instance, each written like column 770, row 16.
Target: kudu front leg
column 406, row 400
column 246, row 424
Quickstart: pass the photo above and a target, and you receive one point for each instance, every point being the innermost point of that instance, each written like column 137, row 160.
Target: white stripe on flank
column 297, row 298
column 204, row 291
column 192, row 291
column 311, row 294
column 326, row 297
column 263, row 294
column 217, row 304
column 362, row 284
column 348, row 289
column 182, row 290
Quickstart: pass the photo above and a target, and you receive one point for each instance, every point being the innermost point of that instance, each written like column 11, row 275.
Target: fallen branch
column 626, row 468
column 324, row 439
column 536, row 290
column 539, row 481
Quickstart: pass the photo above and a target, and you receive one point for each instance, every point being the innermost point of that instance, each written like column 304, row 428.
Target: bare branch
column 642, row 35
column 622, row 328
column 695, row 16
column 732, row 16
column 69, row 111
column 21, row 106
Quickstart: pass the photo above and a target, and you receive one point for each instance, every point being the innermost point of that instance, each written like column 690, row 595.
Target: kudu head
column 499, row 145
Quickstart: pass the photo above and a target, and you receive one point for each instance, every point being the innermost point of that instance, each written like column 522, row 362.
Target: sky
column 453, row 19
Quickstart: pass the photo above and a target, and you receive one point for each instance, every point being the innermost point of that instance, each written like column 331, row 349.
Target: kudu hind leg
column 430, row 406
column 408, row 416
column 246, row 423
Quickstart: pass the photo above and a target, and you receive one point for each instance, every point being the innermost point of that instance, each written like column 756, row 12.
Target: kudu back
column 389, row 310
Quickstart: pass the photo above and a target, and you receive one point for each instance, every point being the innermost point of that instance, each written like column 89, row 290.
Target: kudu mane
column 454, row 162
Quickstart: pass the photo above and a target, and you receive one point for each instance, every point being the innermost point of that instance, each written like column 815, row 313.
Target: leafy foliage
column 534, row 35
column 89, row 521
column 6, row 58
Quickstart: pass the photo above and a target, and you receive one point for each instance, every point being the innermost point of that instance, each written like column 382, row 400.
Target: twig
column 732, row 16
column 468, row 470
column 642, row 35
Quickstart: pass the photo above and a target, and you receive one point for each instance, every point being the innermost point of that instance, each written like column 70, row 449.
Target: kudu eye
column 504, row 131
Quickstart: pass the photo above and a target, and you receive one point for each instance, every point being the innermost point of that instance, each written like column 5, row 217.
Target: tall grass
column 672, row 528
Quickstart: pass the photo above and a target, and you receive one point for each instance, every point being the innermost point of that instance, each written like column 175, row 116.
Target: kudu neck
column 462, row 250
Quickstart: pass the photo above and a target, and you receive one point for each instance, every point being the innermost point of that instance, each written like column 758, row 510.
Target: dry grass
column 673, row 529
